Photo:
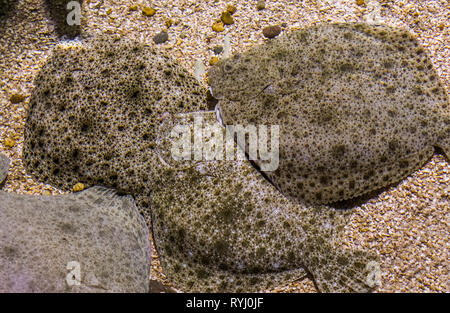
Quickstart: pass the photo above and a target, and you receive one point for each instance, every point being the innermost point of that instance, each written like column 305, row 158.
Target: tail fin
column 343, row 270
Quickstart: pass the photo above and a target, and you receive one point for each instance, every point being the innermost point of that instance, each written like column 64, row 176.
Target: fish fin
column 99, row 195
column 338, row 270
column 106, row 199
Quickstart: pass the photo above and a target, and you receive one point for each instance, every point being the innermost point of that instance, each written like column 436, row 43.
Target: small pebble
column 169, row 22
column 261, row 5
column 231, row 8
column 271, row 31
column 161, row 38
column 217, row 49
column 213, row 61
column 218, row 26
column 78, row 187
column 16, row 98
column 226, row 18
column 133, row 7
column 9, row 142
column 360, row 2
column 148, row 11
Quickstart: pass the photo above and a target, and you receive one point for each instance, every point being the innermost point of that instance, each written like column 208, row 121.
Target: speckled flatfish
column 359, row 107
column 219, row 226
column 91, row 241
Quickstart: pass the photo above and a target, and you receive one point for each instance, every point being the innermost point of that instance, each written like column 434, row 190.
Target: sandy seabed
column 407, row 225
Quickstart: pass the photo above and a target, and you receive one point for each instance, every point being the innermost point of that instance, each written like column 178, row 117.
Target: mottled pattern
column 4, row 167
column 359, row 107
column 220, row 226
column 93, row 113
column 101, row 231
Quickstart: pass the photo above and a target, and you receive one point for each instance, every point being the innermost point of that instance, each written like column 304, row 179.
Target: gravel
column 271, row 31
column 162, row 37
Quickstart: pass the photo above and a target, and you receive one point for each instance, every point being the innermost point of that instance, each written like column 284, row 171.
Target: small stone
column 218, row 26
column 9, row 142
column 161, row 38
column 441, row 26
column 78, row 187
column 16, row 98
column 148, row 11
column 169, row 22
column 213, row 61
column 231, row 8
column 271, row 31
column 284, row 25
column 261, row 5
column 217, row 50
column 109, row 11
column 226, row 18
column 360, row 2
column 133, row 7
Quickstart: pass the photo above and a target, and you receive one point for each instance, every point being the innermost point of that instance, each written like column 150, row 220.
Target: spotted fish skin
column 94, row 111
column 219, row 226
column 359, row 107
column 97, row 229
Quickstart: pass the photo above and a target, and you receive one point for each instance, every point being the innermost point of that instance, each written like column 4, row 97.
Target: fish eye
column 228, row 68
